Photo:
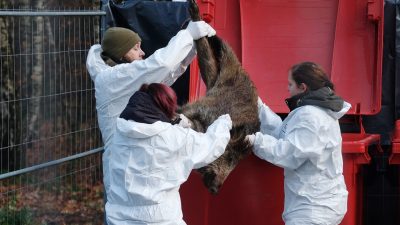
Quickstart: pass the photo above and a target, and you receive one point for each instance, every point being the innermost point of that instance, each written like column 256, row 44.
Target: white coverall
column 149, row 162
column 115, row 85
column 308, row 145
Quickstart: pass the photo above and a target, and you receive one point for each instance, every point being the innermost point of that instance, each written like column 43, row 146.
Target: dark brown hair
column 312, row 75
column 164, row 97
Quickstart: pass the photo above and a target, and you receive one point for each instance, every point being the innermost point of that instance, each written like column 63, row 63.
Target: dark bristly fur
column 229, row 90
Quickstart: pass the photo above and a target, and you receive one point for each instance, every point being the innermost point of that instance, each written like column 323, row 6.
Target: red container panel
column 253, row 194
column 344, row 37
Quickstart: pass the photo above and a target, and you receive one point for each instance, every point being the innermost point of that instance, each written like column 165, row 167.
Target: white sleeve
column 207, row 147
column 116, row 84
column 270, row 121
column 299, row 144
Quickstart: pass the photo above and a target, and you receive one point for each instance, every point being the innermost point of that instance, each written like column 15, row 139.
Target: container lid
column 341, row 36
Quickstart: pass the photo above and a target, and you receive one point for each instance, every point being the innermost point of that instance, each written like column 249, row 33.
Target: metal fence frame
column 62, row 160
column 51, row 13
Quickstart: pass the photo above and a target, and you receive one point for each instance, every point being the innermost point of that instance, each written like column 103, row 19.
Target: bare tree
column 8, row 131
column 37, row 72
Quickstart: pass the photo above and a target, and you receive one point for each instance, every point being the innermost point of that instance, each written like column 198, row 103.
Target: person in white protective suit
column 118, row 69
column 308, row 145
column 150, row 158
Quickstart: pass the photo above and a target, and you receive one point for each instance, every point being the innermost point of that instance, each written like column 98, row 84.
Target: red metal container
column 355, row 154
column 269, row 36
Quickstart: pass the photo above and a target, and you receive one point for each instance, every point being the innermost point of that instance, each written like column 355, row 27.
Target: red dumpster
column 269, row 36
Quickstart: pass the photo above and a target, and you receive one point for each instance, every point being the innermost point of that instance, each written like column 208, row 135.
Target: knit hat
column 117, row 41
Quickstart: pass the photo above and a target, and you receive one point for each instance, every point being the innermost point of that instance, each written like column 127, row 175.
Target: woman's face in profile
column 135, row 53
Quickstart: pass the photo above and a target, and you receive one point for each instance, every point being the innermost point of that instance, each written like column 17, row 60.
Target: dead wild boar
column 229, row 90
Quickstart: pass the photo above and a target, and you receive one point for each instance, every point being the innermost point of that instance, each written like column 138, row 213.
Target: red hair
column 164, row 97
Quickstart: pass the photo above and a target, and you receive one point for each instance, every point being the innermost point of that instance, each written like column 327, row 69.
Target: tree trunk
column 37, row 73
column 9, row 124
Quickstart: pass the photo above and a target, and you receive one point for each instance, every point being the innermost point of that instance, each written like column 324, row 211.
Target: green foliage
column 10, row 215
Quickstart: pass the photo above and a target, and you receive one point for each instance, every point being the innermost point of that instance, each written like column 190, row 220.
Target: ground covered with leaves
column 63, row 205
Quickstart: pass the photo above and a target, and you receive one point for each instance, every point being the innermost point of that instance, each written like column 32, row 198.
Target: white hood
column 94, row 63
column 140, row 130
column 341, row 113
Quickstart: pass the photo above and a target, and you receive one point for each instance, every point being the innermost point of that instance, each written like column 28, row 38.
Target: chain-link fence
column 50, row 145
